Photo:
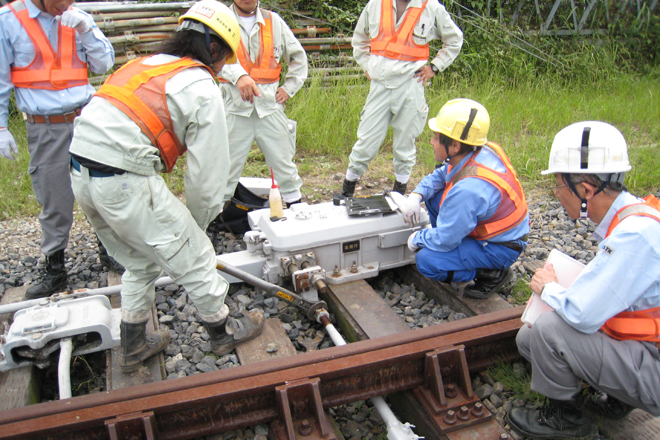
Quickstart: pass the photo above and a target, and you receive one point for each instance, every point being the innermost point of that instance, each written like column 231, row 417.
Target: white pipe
column 109, row 290
column 395, row 429
column 64, row 368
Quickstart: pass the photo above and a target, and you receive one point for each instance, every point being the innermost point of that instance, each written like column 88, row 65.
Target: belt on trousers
column 94, row 173
column 513, row 245
column 54, row 119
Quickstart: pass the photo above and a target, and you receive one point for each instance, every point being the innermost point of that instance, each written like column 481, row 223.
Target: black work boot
column 107, row 261
column 136, row 345
column 288, row 204
column 348, row 188
column 54, row 279
column 556, row 420
column 400, row 187
column 487, row 282
column 226, row 335
column 607, row 406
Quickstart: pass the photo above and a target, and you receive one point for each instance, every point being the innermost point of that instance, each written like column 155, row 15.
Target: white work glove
column 410, row 206
column 411, row 245
column 75, row 19
column 7, row 144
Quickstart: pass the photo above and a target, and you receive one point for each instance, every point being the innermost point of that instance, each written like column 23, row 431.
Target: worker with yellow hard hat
column 476, row 206
column 143, row 118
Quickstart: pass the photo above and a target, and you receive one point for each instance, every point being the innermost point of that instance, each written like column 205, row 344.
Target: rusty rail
column 286, row 391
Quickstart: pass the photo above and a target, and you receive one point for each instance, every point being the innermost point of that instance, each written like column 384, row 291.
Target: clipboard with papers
column 567, row 270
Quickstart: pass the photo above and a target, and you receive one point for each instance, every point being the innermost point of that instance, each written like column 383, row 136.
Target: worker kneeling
column 141, row 120
column 477, row 208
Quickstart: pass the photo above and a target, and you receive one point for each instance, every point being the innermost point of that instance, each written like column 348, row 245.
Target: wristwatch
column 435, row 69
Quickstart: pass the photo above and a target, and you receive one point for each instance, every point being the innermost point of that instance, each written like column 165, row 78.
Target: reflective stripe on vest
column 48, row 70
column 265, row 69
column 138, row 90
column 513, row 206
column 640, row 325
column 399, row 44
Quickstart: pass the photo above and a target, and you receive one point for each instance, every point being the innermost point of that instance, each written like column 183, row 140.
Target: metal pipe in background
column 132, row 6
column 100, row 17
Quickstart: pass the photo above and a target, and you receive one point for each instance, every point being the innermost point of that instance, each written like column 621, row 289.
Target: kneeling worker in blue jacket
column 476, row 204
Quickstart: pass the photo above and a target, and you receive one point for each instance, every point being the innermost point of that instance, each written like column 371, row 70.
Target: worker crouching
column 145, row 116
column 475, row 202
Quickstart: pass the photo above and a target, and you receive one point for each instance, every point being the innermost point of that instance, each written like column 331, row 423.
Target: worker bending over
column 477, row 208
column 46, row 47
column 254, row 100
column 142, row 119
column 604, row 327
column 391, row 44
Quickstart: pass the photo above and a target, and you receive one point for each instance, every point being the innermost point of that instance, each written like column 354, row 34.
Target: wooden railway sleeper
column 301, row 412
column 447, row 396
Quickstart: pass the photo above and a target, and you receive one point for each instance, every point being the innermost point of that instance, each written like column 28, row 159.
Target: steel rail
column 238, row 397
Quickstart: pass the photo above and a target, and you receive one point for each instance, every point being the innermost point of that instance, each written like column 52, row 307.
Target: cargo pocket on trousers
column 174, row 252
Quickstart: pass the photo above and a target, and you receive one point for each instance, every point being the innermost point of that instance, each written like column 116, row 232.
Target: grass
column 503, row 372
column 525, row 116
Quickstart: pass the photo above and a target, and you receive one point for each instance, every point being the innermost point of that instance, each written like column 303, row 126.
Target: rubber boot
column 289, row 204
column 348, row 188
column 558, row 419
column 137, row 346
column 107, row 261
column 400, row 187
column 54, row 279
column 226, row 335
column 487, row 282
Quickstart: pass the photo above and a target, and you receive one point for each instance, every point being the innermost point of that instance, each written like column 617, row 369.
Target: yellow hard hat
column 220, row 21
column 463, row 120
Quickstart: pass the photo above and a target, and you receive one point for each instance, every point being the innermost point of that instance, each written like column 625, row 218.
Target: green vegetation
column 531, row 86
column 515, row 382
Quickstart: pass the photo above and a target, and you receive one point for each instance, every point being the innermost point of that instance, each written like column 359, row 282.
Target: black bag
column 234, row 217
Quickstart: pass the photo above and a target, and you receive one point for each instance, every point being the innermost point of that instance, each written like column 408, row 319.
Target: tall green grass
column 525, row 116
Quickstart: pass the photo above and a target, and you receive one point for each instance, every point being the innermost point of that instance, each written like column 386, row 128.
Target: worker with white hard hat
column 475, row 202
column 603, row 329
column 146, row 115
column 391, row 44
column 254, row 98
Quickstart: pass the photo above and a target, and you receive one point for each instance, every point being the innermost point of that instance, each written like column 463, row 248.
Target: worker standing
column 475, row 202
column 254, row 100
column 142, row 119
column 618, row 292
column 46, row 47
column 391, row 44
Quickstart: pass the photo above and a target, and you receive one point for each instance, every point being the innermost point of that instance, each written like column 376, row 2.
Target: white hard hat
column 589, row 147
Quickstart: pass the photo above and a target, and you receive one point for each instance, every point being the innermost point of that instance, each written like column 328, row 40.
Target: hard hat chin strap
column 583, row 201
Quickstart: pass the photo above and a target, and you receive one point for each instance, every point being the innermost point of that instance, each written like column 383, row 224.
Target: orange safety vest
column 138, row 90
column 265, row 69
column 48, row 70
column 513, row 206
column 640, row 325
column 399, row 44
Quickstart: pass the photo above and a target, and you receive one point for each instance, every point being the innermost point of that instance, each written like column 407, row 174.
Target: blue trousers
column 465, row 259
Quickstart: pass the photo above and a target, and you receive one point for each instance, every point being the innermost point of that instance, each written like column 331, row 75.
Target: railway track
column 428, row 369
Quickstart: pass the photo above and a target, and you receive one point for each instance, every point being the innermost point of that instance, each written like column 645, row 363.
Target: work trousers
column 465, row 259
column 562, row 357
column 48, row 145
column 405, row 109
column 276, row 138
column 149, row 231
